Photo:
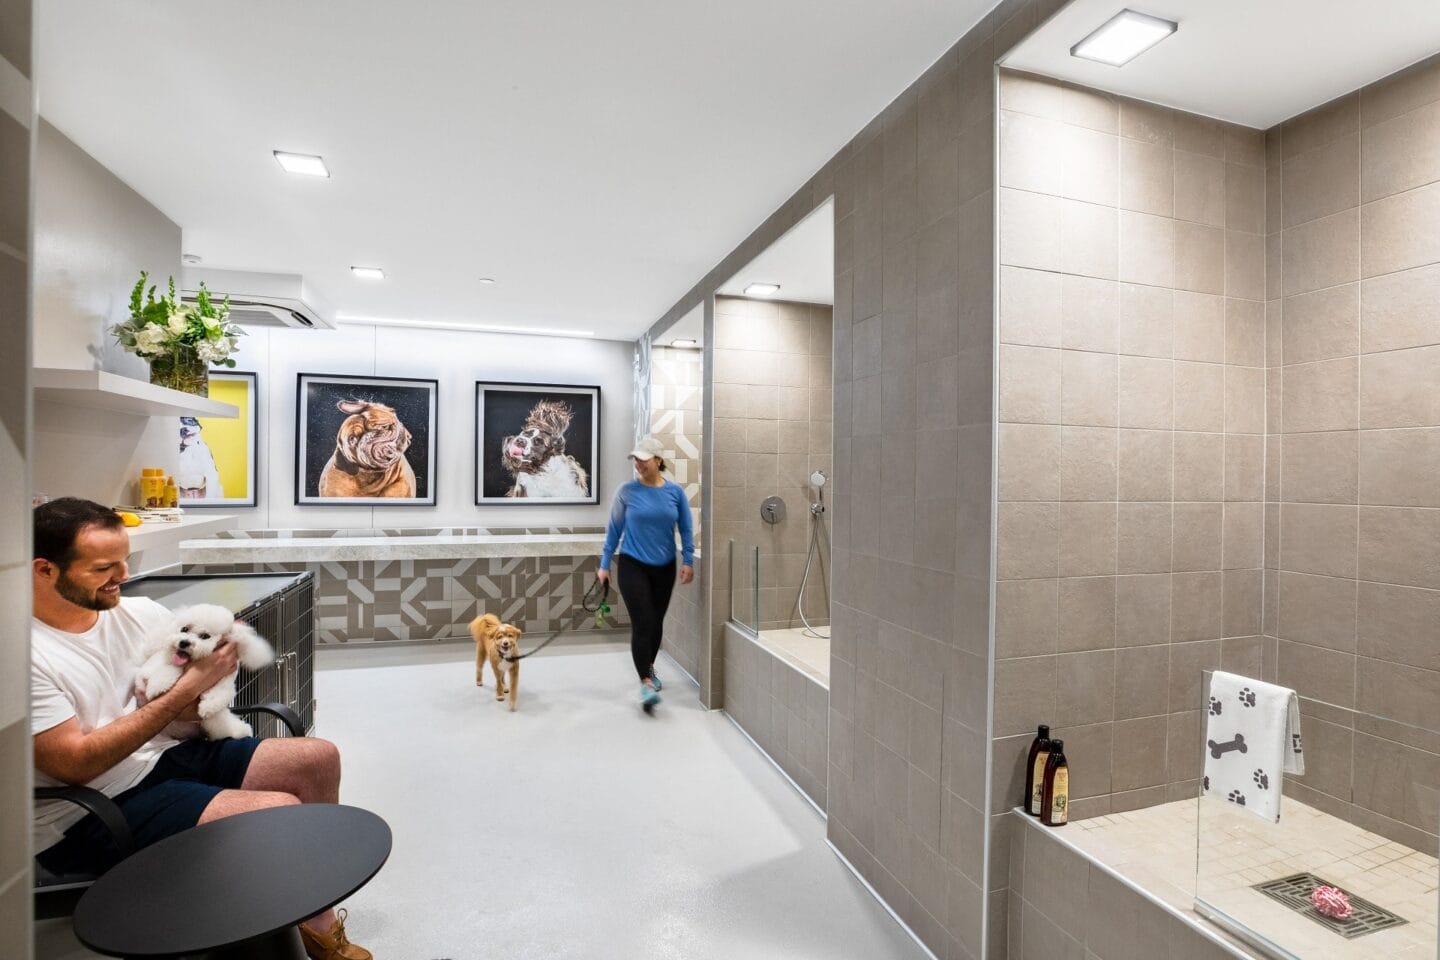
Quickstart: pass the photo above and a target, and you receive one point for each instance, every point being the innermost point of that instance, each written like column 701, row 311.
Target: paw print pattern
column 1247, row 697
column 1295, row 743
column 1236, row 797
column 1207, row 783
column 1261, row 779
column 1216, row 708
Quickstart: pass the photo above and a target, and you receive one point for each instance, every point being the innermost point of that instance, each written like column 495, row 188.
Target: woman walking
column 643, row 520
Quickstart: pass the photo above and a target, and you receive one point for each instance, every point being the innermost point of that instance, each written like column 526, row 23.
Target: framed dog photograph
column 365, row 440
column 216, row 462
column 536, row 443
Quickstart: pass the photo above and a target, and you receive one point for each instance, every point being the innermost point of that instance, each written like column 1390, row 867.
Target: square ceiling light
column 302, row 163
column 762, row 289
column 1122, row 38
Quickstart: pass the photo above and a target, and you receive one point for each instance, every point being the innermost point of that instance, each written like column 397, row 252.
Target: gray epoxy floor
column 576, row 827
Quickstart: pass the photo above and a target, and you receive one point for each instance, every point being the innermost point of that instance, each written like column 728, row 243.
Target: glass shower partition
column 1256, row 878
column 745, row 586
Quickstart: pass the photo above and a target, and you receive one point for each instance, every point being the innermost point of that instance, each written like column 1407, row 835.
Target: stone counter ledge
column 321, row 549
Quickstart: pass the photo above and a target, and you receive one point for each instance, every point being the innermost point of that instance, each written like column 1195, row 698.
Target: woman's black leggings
column 646, row 589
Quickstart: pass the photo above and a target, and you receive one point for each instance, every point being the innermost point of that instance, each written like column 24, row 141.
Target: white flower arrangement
column 164, row 325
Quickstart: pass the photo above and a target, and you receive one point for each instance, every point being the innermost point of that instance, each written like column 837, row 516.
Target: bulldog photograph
column 536, row 443
column 365, row 440
column 215, row 463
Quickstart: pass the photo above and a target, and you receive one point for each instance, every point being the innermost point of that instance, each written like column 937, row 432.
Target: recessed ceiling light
column 368, row 273
column 190, row 258
column 1123, row 37
column 487, row 279
column 302, row 163
column 762, row 289
column 684, row 343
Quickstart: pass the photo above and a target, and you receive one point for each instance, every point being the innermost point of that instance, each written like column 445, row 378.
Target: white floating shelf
column 156, row 533
column 102, row 390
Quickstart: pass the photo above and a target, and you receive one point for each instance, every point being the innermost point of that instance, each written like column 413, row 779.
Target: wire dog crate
column 281, row 608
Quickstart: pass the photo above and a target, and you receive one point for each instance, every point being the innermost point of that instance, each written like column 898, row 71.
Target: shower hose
column 812, row 555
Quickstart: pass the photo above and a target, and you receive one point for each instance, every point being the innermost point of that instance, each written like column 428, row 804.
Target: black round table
column 234, row 889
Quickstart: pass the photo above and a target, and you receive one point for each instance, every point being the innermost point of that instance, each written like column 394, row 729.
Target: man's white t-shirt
column 91, row 676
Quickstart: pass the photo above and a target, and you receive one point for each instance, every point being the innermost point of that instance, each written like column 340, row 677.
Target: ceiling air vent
column 261, row 299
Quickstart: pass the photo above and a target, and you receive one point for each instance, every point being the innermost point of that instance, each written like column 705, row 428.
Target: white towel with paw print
column 1252, row 737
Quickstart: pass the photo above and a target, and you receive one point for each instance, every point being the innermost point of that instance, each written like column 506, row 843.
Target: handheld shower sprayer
column 819, row 479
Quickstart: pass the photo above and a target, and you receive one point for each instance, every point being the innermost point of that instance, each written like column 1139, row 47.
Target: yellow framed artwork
column 216, row 462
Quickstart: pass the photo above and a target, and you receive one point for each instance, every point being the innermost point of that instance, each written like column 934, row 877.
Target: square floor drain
column 1294, row 892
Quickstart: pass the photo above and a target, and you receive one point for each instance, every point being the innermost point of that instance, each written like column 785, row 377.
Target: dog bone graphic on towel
column 1217, row 750
column 1252, row 742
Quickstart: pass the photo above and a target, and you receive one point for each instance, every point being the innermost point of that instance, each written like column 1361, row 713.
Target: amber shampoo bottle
column 1055, row 801
column 1035, row 771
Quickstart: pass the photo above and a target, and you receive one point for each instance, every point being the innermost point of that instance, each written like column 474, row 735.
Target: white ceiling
column 802, row 261
column 1253, row 63
column 594, row 158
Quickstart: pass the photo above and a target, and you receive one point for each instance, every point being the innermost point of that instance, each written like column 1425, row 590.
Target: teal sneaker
column 655, row 679
column 649, row 697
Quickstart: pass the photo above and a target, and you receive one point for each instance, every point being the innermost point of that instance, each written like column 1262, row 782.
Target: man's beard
column 76, row 594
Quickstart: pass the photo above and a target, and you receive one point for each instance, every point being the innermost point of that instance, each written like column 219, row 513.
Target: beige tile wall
column 772, row 426
column 16, row 160
column 1131, row 434
column 1353, row 493
column 782, row 708
column 914, row 348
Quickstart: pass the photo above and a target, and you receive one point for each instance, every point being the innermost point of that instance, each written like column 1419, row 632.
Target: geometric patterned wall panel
column 386, row 600
column 675, row 420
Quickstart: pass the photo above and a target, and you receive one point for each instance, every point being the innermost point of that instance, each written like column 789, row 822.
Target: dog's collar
column 345, row 465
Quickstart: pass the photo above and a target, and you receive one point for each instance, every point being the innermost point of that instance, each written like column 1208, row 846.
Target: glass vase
column 182, row 370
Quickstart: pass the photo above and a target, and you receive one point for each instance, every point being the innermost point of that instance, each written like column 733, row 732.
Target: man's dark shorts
column 170, row 799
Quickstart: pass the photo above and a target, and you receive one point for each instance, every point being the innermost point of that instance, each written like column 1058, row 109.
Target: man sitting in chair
column 89, row 729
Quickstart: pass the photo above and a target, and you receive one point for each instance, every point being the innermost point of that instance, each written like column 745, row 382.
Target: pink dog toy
column 1332, row 902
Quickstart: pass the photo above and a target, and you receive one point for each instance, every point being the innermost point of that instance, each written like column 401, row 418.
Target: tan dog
column 493, row 642
column 369, row 458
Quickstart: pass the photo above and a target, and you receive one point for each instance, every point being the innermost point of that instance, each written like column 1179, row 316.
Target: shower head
column 818, row 478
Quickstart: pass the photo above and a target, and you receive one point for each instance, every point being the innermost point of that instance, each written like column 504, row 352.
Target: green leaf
column 135, row 295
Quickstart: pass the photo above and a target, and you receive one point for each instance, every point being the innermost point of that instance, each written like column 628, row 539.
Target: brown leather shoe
column 333, row 945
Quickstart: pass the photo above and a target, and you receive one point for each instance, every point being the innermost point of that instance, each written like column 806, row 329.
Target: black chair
column 57, row 894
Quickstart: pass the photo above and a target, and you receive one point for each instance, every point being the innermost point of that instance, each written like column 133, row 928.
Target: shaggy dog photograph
column 193, row 634
column 493, row 642
column 536, row 456
column 536, row 442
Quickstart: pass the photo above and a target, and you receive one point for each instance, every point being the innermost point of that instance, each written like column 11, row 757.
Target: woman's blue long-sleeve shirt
column 646, row 517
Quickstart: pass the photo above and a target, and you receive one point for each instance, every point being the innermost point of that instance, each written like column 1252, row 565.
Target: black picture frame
column 212, row 450
column 378, row 477
column 504, row 410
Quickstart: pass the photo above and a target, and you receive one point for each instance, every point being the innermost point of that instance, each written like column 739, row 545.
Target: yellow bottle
column 152, row 487
column 172, row 493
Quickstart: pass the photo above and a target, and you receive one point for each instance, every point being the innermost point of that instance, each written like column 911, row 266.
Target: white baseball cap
column 648, row 447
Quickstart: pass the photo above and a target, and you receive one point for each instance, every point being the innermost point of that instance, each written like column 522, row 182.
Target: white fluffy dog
column 195, row 633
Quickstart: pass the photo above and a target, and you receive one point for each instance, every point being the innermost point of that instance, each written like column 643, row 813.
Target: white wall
column 456, row 359
column 93, row 237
